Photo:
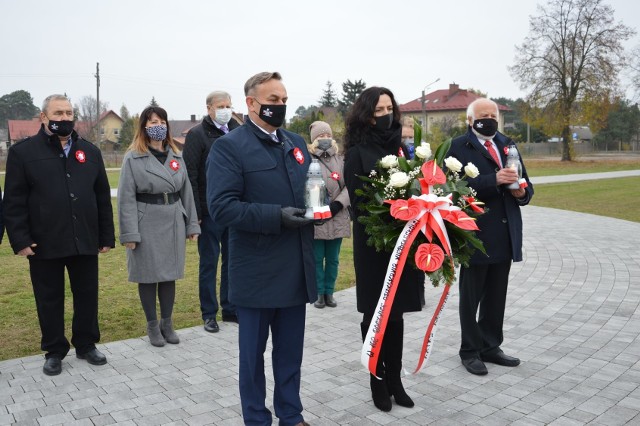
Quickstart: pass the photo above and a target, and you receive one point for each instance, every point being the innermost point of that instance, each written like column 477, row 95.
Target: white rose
column 399, row 179
column 471, row 170
column 389, row 161
column 453, row 164
column 423, row 151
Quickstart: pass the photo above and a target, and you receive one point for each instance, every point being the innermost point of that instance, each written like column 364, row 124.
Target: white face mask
column 223, row 115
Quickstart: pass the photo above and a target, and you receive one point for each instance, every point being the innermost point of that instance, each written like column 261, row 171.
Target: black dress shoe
column 501, row 358
column 475, row 366
column 93, row 357
column 230, row 318
column 211, row 325
column 52, row 366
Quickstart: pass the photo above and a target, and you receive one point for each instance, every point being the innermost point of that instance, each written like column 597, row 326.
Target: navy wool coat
column 249, row 178
column 501, row 227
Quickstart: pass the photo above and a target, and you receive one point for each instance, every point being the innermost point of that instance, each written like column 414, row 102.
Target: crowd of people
column 239, row 190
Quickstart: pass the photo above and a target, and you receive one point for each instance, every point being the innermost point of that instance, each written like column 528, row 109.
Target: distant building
column 446, row 105
column 20, row 129
column 578, row 134
column 4, row 140
column 110, row 126
column 180, row 128
column 581, row 133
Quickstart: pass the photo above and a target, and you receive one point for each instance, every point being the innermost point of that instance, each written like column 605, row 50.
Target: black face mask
column 486, row 126
column 383, row 122
column 61, row 128
column 272, row 114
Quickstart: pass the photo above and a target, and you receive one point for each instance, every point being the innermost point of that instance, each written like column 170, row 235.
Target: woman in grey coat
column 328, row 236
column 157, row 213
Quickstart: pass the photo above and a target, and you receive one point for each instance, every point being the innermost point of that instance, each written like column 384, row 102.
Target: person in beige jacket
column 328, row 236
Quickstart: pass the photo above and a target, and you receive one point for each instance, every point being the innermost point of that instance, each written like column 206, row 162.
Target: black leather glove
column 335, row 207
column 293, row 217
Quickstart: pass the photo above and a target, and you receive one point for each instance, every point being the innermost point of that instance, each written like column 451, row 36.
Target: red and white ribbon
column 425, row 214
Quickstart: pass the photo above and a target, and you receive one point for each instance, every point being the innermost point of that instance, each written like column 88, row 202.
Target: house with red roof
column 445, row 105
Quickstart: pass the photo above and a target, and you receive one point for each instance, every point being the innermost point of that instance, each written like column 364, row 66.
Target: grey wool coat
column 160, row 231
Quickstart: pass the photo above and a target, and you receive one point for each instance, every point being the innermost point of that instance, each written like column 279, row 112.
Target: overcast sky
column 179, row 51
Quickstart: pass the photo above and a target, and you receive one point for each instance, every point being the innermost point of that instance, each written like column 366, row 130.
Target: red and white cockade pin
column 174, row 165
column 335, row 175
column 400, row 152
column 80, row 156
column 506, row 150
column 298, row 155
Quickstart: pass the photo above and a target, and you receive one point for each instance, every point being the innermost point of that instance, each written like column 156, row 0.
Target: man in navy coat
column 256, row 187
column 483, row 284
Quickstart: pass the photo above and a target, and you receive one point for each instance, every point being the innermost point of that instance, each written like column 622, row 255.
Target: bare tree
column 571, row 58
column 88, row 115
column 634, row 71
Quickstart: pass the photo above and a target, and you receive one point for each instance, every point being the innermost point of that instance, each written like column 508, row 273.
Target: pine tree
column 329, row 97
column 350, row 92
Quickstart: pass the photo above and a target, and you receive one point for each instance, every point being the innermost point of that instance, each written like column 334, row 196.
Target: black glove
column 335, row 207
column 293, row 217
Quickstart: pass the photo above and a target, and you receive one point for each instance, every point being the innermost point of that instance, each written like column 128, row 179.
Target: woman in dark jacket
column 373, row 130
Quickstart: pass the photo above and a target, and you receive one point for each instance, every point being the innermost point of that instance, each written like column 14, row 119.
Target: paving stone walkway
column 573, row 317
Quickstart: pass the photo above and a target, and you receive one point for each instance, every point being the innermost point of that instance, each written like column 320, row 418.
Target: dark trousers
column 287, row 337
column 47, row 278
column 483, row 294
column 212, row 242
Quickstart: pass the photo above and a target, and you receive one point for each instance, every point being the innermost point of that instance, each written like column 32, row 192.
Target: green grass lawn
column 121, row 315
column 546, row 167
column 606, row 197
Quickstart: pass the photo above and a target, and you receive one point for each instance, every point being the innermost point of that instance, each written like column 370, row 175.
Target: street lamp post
column 424, row 109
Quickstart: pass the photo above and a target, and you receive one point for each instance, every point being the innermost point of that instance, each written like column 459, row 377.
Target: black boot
column 379, row 391
column 393, row 338
column 320, row 302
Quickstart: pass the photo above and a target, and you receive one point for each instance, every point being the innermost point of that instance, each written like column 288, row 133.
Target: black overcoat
column 501, row 227
column 197, row 145
column 62, row 204
column 371, row 265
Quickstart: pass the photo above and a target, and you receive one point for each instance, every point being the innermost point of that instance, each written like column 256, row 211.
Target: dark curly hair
column 359, row 118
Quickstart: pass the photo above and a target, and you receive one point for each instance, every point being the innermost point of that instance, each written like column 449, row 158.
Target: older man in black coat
column 214, row 239
column 483, row 285
column 57, row 210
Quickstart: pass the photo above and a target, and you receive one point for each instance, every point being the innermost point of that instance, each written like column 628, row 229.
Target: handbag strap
column 340, row 181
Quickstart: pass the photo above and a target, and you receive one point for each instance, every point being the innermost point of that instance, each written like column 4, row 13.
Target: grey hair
column 56, row 97
column 217, row 95
column 258, row 79
column 472, row 105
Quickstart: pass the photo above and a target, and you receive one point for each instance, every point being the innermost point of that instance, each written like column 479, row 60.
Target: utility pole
column 97, row 76
column 424, row 109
